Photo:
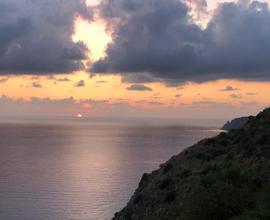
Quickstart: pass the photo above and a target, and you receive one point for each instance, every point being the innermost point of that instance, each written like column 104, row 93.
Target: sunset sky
column 141, row 58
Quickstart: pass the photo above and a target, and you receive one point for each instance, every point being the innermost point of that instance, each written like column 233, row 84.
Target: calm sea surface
column 81, row 171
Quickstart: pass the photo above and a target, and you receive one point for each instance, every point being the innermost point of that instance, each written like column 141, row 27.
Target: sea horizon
column 131, row 120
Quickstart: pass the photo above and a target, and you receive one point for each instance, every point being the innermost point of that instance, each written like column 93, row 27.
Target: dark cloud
column 228, row 89
column 178, row 95
column 36, row 36
column 159, row 38
column 138, row 87
column 149, row 78
column 81, row 83
column 138, row 78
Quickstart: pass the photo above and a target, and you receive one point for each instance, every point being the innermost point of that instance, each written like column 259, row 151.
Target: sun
column 79, row 116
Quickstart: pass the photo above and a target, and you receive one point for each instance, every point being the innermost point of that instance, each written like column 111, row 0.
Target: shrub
column 167, row 167
column 170, row 197
column 165, row 183
column 220, row 196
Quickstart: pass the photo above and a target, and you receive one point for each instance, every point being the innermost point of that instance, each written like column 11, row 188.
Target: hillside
column 222, row 178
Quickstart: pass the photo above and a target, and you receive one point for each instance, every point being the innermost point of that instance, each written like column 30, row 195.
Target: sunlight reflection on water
column 80, row 171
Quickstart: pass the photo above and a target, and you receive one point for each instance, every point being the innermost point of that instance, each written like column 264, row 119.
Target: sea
column 81, row 168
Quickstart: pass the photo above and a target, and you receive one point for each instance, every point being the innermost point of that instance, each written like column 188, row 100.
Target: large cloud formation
column 36, row 36
column 159, row 37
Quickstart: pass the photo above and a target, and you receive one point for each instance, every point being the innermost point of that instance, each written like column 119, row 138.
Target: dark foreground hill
column 221, row 178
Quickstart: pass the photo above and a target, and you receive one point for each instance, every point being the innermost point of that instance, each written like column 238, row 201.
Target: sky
column 134, row 58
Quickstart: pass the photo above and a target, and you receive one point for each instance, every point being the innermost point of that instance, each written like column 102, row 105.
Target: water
column 81, row 171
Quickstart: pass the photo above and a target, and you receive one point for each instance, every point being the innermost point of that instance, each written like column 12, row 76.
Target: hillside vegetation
column 221, row 178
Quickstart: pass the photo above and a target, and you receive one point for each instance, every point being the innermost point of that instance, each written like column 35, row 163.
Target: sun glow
column 93, row 35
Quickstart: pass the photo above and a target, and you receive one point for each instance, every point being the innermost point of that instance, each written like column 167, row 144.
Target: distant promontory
column 236, row 123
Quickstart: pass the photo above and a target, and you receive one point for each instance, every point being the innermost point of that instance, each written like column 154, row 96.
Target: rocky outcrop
column 236, row 123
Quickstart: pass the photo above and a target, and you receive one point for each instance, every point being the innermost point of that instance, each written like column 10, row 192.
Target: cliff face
column 222, row 178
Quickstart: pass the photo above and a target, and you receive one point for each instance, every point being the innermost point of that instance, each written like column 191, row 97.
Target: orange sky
column 112, row 88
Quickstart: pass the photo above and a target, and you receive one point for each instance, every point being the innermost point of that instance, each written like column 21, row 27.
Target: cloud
column 3, row 80
column 51, row 77
column 36, row 36
column 154, row 103
column 159, row 38
column 251, row 93
column 236, row 96
column 138, row 87
column 199, row 8
column 139, row 78
column 123, row 107
column 36, row 85
column 206, row 103
column 155, row 96
column 34, row 77
column 81, row 83
column 32, row 85
column 64, row 79
column 37, row 106
column 228, row 89
column 178, row 95
column 101, row 81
